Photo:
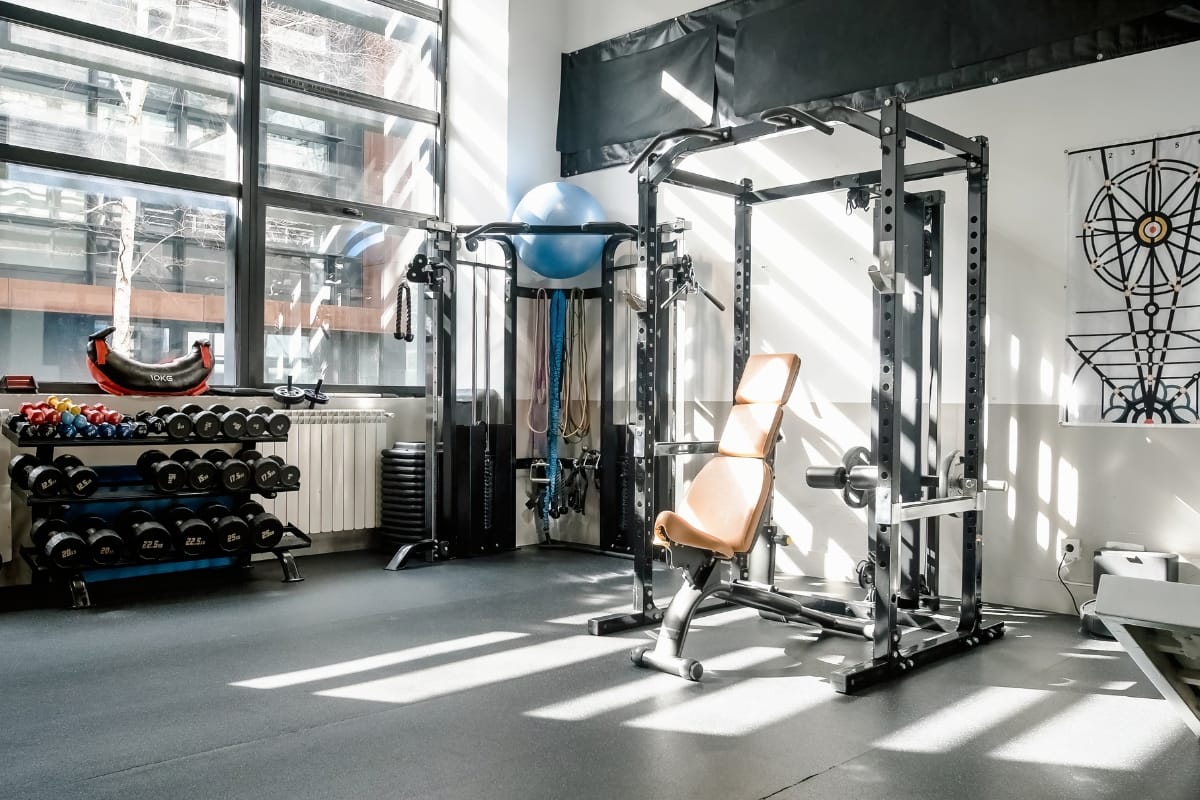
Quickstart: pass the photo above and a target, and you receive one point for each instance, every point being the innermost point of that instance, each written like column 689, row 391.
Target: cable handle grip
column 826, row 477
column 720, row 306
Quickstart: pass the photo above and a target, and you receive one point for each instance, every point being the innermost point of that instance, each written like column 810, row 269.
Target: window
column 320, row 147
column 121, row 185
column 122, row 107
column 353, row 44
column 330, row 307
column 70, row 246
column 210, row 26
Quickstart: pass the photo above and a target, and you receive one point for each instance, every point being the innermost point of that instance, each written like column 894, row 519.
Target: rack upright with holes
column 122, row 486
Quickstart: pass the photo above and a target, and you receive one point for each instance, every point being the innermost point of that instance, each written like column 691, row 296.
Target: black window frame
column 245, row 308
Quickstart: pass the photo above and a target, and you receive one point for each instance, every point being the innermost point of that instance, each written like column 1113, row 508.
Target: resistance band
column 558, row 327
column 576, row 405
column 535, row 418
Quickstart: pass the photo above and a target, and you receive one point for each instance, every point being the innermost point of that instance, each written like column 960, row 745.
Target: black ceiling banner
column 812, row 53
column 671, row 82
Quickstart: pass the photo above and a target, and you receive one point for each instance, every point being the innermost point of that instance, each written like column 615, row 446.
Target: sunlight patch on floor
column 740, row 709
column 1070, row 737
column 656, row 685
column 378, row 662
column 474, row 673
column 962, row 721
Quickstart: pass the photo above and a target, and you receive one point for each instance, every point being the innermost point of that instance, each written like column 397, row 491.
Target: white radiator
column 337, row 452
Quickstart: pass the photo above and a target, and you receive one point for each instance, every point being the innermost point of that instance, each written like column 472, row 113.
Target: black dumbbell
column 177, row 425
column 24, row 429
column 263, row 471
column 162, row 472
column 146, row 539
column 278, row 423
column 235, row 475
column 265, row 528
column 191, row 535
column 43, row 480
column 58, row 542
column 81, row 480
column 202, row 474
column 289, row 474
column 205, row 424
column 231, row 532
column 233, row 423
column 256, row 423
column 154, row 424
column 105, row 545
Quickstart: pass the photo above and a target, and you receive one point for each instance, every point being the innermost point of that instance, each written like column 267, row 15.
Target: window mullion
column 246, row 305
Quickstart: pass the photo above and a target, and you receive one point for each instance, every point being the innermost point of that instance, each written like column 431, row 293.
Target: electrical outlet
column 1071, row 551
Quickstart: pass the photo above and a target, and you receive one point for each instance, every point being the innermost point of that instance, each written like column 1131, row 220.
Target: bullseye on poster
column 1133, row 300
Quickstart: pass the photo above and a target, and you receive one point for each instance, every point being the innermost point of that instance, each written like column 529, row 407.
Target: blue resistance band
column 558, row 335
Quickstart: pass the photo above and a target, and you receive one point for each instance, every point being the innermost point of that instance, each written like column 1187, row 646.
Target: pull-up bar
column 500, row 230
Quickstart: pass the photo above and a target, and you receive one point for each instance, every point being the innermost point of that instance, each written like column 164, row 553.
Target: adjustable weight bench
column 720, row 518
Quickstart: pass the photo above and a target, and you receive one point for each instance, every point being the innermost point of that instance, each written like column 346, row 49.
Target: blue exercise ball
column 557, row 255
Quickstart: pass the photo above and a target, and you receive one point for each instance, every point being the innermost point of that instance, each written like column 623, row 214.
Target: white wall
column 812, row 296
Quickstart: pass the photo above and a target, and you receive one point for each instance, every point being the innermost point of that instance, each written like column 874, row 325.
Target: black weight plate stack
column 403, row 486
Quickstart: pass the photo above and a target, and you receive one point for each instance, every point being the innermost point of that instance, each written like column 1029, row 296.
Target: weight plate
column 415, row 512
column 288, row 395
column 416, row 489
column 406, row 512
column 406, row 527
column 403, row 497
column 402, row 525
column 403, row 503
column 403, row 510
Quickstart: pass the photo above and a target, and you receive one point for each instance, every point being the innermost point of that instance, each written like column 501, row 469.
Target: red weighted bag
column 118, row 374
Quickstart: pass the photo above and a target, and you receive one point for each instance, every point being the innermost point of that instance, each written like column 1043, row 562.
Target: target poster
column 1133, row 301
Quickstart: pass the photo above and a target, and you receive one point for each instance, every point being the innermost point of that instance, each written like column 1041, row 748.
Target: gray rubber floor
column 476, row 679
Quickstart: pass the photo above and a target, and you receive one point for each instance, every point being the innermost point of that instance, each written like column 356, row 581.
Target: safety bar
column 794, row 117
column 684, row 448
column 679, row 133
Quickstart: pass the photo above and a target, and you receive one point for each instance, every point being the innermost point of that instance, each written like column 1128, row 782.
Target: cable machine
column 474, row 512
column 901, row 478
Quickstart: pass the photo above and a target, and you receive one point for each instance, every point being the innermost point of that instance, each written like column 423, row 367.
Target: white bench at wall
column 1158, row 624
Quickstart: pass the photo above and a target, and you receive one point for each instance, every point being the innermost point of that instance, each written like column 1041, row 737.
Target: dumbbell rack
column 121, row 484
